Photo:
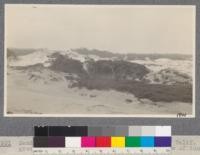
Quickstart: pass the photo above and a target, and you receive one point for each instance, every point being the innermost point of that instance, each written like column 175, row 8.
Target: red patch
column 103, row 141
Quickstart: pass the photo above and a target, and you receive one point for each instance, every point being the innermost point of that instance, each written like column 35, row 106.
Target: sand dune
column 28, row 97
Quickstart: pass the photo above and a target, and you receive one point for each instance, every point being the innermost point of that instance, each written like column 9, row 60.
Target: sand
column 25, row 96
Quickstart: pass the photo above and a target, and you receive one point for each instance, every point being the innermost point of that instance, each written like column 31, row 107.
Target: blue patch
column 147, row 141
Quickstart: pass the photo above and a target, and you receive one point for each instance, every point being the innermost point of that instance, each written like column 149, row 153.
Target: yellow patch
column 118, row 141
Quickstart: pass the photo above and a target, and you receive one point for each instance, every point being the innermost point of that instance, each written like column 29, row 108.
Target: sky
column 116, row 28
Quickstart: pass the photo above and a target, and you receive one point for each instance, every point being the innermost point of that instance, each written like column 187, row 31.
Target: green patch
column 132, row 141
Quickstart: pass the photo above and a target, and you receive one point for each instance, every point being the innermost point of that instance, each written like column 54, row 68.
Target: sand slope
column 35, row 97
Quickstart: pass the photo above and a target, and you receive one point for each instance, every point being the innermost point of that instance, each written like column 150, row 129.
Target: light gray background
column 10, row 126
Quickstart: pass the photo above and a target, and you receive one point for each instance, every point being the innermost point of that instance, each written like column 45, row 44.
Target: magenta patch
column 88, row 141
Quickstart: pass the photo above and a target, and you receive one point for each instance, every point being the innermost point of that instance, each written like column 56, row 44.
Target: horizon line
column 100, row 50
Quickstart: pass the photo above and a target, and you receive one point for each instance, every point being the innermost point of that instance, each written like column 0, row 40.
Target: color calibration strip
column 102, row 137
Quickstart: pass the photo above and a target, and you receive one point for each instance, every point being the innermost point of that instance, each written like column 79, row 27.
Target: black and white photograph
column 99, row 60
